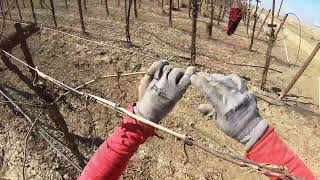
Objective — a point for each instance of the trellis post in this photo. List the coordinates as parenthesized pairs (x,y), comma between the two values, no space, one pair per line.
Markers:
(211,18)
(262,10)
(33,12)
(300,72)
(53,13)
(107,8)
(135,8)
(194,31)
(280,8)
(269,50)
(23,4)
(127,14)
(66,3)
(170,13)
(81,17)
(41,4)
(254,25)
(25,49)
(249,15)
(219,18)
(1,8)
(85,5)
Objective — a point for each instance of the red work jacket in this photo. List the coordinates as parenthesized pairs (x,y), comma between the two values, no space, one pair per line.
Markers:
(112,157)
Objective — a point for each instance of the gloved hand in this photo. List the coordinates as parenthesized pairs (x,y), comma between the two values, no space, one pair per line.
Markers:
(160,90)
(236,111)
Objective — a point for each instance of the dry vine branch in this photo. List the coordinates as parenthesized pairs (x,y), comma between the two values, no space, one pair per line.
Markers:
(267,170)
(28,104)
(53,110)
(42,132)
(26,144)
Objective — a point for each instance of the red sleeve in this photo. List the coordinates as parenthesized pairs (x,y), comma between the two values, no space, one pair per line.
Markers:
(112,157)
(271,149)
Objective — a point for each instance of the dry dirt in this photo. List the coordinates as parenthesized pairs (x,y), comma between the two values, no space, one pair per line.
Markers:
(75,61)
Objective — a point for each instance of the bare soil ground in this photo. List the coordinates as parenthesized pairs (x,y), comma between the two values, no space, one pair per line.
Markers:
(75,61)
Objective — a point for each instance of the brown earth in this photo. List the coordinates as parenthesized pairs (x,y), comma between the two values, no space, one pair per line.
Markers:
(75,61)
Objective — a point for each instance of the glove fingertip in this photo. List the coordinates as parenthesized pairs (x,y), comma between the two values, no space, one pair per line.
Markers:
(155,68)
(205,109)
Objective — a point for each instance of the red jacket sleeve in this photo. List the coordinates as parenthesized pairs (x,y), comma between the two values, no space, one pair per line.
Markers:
(271,149)
(110,160)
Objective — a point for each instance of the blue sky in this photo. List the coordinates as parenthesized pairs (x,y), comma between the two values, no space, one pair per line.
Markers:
(307,10)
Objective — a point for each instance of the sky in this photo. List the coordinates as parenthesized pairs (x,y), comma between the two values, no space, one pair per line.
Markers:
(307,10)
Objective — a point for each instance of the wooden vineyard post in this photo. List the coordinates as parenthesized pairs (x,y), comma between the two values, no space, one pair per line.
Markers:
(1,8)
(244,20)
(170,13)
(264,21)
(125,9)
(219,17)
(178,4)
(66,3)
(194,31)
(249,19)
(300,72)
(33,12)
(269,50)
(211,18)
(135,8)
(18,7)
(128,38)
(223,13)
(53,13)
(118,3)
(189,10)
(281,25)
(262,10)
(248,16)
(41,4)
(107,8)
(85,5)
(162,6)
(254,25)
(83,28)
(23,4)
(279,8)
(199,6)
(25,50)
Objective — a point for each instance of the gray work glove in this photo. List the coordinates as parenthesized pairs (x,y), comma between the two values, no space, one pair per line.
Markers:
(232,107)
(160,90)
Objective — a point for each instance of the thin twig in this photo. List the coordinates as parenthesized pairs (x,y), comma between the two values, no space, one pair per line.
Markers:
(94,80)
(26,144)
